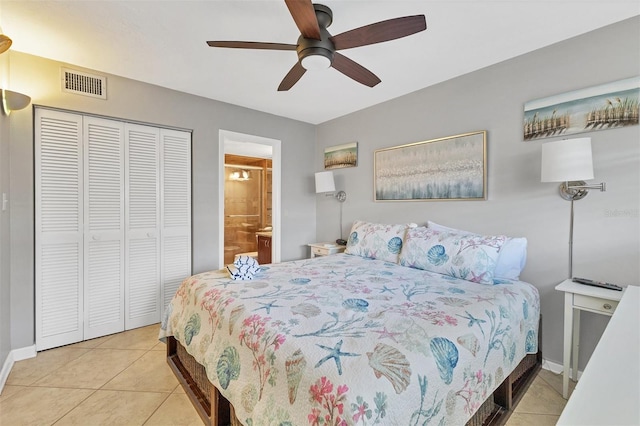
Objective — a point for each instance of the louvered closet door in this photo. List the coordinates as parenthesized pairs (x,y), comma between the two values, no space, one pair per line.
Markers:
(104,227)
(58,228)
(175,160)
(142,236)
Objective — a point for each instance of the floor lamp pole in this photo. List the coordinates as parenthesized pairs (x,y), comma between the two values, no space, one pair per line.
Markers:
(341,196)
(340,220)
(571,242)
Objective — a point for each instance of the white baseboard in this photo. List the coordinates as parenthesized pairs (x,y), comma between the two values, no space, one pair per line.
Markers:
(13,357)
(556,368)
(24,353)
(6,369)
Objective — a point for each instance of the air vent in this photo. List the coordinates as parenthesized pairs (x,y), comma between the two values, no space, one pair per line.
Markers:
(84,84)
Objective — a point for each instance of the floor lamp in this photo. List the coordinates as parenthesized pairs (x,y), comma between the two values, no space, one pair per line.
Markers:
(326,184)
(570,162)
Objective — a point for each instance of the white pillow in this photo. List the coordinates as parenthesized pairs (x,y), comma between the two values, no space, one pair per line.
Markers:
(511,259)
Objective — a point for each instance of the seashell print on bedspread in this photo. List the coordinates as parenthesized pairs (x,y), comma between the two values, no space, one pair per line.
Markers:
(346,340)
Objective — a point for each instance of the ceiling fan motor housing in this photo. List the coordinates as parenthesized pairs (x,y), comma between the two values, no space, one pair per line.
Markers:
(324,46)
(317,49)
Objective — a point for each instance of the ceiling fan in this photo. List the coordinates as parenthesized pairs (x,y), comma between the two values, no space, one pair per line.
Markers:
(317,48)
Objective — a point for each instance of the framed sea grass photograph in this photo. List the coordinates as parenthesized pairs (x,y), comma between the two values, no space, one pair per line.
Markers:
(340,156)
(450,168)
(607,106)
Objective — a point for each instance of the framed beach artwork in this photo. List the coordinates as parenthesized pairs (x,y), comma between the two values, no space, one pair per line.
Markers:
(603,107)
(450,168)
(339,156)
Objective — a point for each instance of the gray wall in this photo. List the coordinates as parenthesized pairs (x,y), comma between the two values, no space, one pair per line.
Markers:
(607,232)
(5,247)
(137,101)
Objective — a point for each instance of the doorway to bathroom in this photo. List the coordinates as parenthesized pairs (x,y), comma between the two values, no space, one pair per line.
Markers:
(248,212)
(249,198)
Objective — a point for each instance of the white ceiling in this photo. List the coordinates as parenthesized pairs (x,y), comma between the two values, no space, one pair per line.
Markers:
(163,43)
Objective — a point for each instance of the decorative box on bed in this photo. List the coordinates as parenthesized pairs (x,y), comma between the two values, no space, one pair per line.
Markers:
(347,339)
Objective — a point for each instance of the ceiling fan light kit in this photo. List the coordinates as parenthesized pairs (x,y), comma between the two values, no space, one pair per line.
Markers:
(315,61)
(317,49)
(5,42)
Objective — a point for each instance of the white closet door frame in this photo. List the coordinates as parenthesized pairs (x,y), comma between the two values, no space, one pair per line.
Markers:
(58,228)
(142,225)
(103,227)
(175,212)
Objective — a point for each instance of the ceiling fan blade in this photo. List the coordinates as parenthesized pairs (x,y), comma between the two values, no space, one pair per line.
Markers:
(354,70)
(380,31)
(304,16)
(252,45)
(292,77)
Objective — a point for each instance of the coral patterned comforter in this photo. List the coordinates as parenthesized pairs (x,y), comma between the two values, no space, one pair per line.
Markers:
(345,340)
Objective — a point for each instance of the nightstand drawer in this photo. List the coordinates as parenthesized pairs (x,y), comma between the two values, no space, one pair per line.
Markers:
(595,304)
(317,251)
(325,249)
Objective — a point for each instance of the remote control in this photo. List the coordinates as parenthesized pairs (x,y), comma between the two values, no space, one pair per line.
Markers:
(597,283)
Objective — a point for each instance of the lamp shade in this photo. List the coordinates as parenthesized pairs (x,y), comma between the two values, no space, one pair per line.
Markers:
(567,160)
(325,182)
(13,101)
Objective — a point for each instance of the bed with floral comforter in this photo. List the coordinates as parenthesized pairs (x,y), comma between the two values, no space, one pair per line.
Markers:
(348,340)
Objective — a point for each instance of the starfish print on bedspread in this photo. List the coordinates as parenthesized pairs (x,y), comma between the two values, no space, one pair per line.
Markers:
(474,321)
(484,299)
(385,333)
(509,293)
(386,289)
(334,353)
(268,306)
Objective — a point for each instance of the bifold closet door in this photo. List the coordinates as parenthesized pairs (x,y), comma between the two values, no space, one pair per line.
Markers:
(175,192)
(142,223)
(103,227)
(58,228)
(112,224)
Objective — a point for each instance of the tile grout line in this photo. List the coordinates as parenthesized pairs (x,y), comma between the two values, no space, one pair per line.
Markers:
(74,407)
(157,408)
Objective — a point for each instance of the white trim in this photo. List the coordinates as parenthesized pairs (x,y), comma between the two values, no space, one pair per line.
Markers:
(24,353)
(6,370)
(225,135)
(556,368)
(13,357)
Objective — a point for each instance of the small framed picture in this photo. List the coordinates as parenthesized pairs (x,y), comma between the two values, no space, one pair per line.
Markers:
(340,156)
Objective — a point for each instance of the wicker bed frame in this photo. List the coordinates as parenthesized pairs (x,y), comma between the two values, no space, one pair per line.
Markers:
(215,410)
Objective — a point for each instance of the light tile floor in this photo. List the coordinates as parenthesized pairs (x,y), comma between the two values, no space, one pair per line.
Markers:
(124,379)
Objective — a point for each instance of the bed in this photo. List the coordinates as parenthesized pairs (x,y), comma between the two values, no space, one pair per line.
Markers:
(348,339)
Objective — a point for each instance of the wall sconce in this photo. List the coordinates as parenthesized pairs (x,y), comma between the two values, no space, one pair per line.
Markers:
(569,161)
(326,184)
(13,101)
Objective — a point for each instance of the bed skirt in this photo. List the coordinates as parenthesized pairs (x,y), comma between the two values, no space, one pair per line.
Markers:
(215,410)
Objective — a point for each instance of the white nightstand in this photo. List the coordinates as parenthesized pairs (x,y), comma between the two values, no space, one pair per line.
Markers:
(580,297)
(325,249)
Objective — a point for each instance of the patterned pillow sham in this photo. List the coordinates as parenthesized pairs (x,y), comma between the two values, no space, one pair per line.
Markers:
(376,240)
(511,259)
(467,256)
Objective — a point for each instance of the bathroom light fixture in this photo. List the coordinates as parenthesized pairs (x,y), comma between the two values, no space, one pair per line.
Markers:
(13,101)
(569,161)
(240,175)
